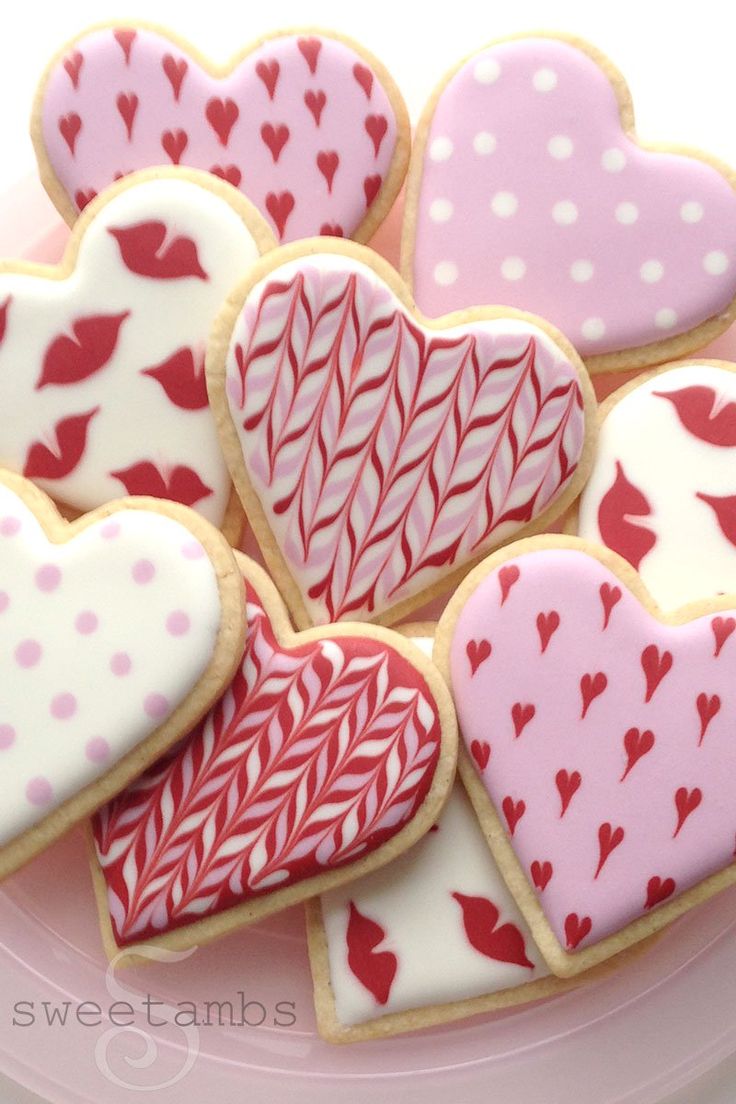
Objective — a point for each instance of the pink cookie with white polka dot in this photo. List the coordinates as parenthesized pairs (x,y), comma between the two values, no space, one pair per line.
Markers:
(528,188)
(117,632)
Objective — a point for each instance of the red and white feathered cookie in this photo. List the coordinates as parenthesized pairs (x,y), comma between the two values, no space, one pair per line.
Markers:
(330,753)
(307,124)
(102,384)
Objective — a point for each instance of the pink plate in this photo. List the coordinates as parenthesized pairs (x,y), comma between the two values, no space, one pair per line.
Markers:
(635,1037)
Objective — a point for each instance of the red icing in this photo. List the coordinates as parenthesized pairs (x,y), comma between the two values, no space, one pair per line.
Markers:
(73,359)
(621,502)
(70,435)
(702,413)
(374,969)
(504,943)
(151,249)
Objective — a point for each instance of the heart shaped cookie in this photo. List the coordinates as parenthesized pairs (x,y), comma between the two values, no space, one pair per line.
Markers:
(528,187)
(662,492)
(329,755)
(102,387)
(620,783)
(309,126)
(117,632)
(379,455)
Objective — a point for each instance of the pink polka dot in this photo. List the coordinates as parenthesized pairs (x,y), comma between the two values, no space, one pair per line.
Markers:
(4,601)
(193,550)
(39,791)
(110,530)
(28,653)
(143,571)
(178,623)
(48,578)
(97,749)
(63,706)
(7,736)
(120,664)
(86,622)
(9,526)
(156,706)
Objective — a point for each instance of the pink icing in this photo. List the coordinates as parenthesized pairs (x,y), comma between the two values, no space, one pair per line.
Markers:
(533,196)
(302,125)
(625,781)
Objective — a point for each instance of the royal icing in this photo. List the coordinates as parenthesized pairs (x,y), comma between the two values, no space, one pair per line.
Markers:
(603,737)
(662,492)
(102,385)
(101,638)
(385,454)
(304,125)
(317,754)
(531,193)
(437,925)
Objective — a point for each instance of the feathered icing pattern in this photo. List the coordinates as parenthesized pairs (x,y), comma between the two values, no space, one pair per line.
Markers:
(314,757)
(385,453)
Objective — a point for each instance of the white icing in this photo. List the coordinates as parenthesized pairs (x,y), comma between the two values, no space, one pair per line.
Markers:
(96,651)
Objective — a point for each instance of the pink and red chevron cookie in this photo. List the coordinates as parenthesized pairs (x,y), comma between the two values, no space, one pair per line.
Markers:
(379,455)
(307,124)
(598,735)
(528,186)
(331,753)
(102,385)
(117,632)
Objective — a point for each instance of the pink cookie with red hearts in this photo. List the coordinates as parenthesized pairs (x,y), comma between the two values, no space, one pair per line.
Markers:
(102,384)
(528,186)
(308,125)
(330,754)
(612,764)
(379,455)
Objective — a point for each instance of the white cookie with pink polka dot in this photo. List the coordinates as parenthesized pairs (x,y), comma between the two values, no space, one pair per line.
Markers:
(528,188)
(116,633)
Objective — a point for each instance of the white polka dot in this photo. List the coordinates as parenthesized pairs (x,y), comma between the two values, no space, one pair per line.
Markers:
(544,80)
(513,268)
(565,213)
(651,272)
(440,210)
(484,142)
(593,329)
(487,70)
(504,204)
(581,271)
(665,318)
(627,213)
(560,147)
(441,149)
(715,263)
(445,273)
(691,211)
(613,160)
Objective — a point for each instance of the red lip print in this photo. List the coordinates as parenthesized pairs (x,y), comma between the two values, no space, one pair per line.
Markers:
(146,252)
(268,72)
(686,802)
(275,137)
(182,378)
(521,715)
(507,576)
(72,359)
(708,708)
(703,414)
(541,874)
(513,811)
(576,930)
(481,752)
(127,105)
(610,597)
(182,484)
(621,502)
(375,970)
(502,944)
(173,143)
(477,652)
(376,127)
(4,317)
(310,48)
(547,626)
(327,163)
(591,687)
(655,666)
(722,627)
(69,127)
(568,785)
(175,70)
(725,511)
(315,102)
(222,115)
(658,891)
(70,435)
(636,745)
(279,207)
(609,838)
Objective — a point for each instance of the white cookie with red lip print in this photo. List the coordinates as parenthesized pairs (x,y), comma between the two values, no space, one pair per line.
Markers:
(102,386)
(307,124)
(379,455)
(662,492)
(117,631)
(528,186)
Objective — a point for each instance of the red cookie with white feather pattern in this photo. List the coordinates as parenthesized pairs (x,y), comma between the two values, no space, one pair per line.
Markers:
(102,388)
(330,754)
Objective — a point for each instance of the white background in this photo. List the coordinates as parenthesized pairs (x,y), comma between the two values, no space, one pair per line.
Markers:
(679,60)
